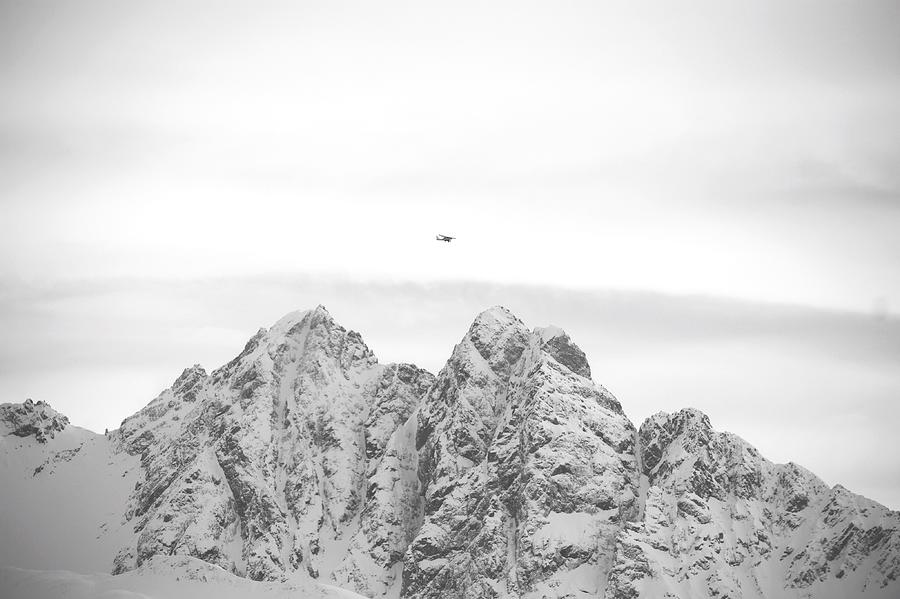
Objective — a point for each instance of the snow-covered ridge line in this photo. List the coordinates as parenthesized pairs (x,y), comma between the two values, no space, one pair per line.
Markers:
(509,474)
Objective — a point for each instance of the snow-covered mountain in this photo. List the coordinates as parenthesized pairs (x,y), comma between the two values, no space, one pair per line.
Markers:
(307,465)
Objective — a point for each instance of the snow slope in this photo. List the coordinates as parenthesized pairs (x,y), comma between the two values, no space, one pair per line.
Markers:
(62,498)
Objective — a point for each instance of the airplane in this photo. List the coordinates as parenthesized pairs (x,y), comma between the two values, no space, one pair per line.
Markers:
(446,238)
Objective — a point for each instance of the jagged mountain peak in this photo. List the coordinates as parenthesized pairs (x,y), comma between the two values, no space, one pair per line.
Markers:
(498,337)
(501,338)
(682,451)
(309,336)
(497,315)
(307,325)
(288,322)
(263,466)
(190,382)
(510,474)
(523,463)
(684,420)
(31,419)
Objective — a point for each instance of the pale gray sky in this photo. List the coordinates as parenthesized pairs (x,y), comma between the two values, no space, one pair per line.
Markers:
(661,180)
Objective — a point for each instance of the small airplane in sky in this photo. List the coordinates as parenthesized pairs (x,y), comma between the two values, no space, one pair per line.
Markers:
(446,238)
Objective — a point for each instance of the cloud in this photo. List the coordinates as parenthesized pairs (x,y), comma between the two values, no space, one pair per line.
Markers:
(721,149)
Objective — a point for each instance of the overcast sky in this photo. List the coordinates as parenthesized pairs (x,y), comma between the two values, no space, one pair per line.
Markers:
(707,197)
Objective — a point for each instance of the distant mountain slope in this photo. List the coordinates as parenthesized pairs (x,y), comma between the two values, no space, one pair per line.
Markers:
(509,474)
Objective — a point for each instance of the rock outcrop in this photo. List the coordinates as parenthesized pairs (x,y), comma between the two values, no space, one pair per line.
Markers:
(30,419)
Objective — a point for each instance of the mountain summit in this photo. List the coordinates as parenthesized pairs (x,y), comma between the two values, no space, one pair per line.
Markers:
(511,473)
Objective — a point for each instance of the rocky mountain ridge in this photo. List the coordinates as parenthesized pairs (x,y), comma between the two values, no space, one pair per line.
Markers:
(508,474)
(30,419)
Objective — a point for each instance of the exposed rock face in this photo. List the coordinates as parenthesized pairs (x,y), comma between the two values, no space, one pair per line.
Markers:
(510,474)
(263,466)
(722,521)
(30,419)
(527,469)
